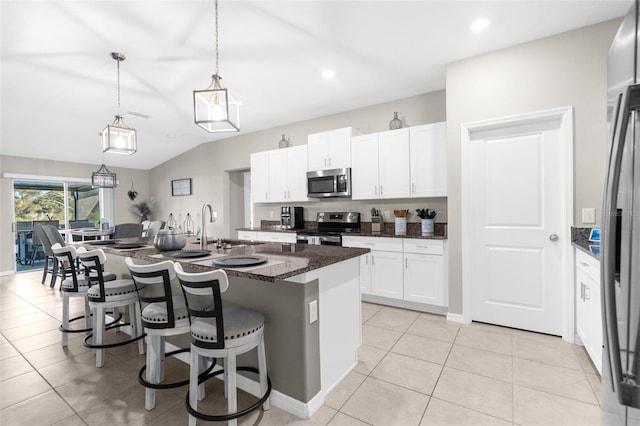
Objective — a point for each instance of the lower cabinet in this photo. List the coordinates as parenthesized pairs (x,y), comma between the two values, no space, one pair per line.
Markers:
(588,313)
(269,237)
(405,269)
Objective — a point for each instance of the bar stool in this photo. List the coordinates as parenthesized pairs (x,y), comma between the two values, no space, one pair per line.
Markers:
(221,332)
(162,315)
(103,295)
(73,286)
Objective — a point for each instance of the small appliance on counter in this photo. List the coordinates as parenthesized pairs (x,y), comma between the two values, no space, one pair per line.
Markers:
(291,218)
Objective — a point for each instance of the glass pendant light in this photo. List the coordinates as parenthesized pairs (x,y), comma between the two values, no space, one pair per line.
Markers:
(214,108)
(117,137)
(103,178)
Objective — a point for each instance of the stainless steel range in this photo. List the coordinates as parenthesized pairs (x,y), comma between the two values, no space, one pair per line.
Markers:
(330,227)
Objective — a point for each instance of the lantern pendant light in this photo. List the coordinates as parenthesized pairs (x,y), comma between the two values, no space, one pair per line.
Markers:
(103,178)
(117,137)
(214,108)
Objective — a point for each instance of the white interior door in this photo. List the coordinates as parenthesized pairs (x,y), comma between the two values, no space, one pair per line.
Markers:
(516,224)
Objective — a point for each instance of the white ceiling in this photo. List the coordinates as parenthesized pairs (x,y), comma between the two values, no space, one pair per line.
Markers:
(58,80)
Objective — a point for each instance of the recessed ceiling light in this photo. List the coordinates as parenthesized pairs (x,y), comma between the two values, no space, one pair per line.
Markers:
(480,24)
(328,74)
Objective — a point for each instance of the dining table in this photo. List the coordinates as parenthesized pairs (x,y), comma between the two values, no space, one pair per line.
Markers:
(85,233)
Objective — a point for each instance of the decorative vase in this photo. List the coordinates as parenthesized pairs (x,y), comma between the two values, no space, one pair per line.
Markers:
(401,225)
(426,227)
(284,142)
(396,123)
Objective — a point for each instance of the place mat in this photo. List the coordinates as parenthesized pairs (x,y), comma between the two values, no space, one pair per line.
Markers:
(240,261)
(128,246)
(100,242)
(188,254)
(269,263)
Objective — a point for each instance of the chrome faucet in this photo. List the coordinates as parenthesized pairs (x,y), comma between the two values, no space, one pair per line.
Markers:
(203,234)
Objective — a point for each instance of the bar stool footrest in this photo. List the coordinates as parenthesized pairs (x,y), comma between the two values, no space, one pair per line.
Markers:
(146,384)
(230,416)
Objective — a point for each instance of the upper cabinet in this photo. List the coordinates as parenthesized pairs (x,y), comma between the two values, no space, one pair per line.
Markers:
(404,163)
(331,149)
(428,147)
(279,175)
(380,165)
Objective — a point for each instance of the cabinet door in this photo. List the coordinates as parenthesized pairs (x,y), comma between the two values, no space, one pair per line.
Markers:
(317,145)
(297,173)
(339,148)
(424,278)
(582,307)
(246,235)
(393,163)
(595,317)
(364,167)
(386,274)
(428,148)
(278,175)
(260,177)
(365,273)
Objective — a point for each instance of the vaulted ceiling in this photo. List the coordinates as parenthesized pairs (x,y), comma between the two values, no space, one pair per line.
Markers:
(58,80)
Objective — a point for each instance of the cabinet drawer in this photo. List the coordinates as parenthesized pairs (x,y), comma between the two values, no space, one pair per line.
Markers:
(589,265)
(374,243)
(246,235)
(423,246)
(278,237)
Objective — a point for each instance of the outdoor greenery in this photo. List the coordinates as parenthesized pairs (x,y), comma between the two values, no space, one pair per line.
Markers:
(47,204)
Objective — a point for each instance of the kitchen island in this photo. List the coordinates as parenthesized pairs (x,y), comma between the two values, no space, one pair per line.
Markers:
(310,298)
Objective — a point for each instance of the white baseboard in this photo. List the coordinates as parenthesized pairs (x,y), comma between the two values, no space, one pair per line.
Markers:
(456,318)
(6,273)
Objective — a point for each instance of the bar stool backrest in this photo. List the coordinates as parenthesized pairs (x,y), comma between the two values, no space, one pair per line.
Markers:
(93,261)
(202,292)
(67,255)
(153,282)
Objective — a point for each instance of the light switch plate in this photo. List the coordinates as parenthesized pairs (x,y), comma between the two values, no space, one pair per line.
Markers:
(313,311)
(589,215)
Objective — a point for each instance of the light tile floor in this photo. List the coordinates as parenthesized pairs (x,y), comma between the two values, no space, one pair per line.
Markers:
(414,369)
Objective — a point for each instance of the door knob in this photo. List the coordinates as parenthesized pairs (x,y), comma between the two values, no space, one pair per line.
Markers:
(553,237)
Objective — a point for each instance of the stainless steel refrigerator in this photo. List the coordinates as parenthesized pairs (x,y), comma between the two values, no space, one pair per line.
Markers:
(620,238)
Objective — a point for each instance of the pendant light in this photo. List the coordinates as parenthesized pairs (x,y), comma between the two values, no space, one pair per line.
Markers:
(214,108)
(117,137)
(103,178)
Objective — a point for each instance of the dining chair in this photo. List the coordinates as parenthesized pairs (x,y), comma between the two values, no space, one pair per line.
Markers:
(127,230)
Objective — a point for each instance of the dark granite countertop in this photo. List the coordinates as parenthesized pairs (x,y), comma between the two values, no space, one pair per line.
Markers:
(580,240)
(413,230)
(284,260)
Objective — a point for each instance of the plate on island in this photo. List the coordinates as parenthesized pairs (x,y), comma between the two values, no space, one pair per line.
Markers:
(127,245)
(100,242)
(188,254)
(239,261)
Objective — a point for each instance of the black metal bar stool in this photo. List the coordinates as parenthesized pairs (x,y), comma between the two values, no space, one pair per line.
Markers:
(103,295)
(163,314)
(221,332)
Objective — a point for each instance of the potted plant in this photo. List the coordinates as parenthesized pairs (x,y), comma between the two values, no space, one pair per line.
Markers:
(426,221)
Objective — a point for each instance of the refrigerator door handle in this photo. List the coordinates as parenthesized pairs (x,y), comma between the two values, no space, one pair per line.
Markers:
(626,390)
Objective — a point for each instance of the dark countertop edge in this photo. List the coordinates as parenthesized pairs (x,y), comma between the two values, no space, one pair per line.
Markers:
(580,240)
(144,254)
(352,234)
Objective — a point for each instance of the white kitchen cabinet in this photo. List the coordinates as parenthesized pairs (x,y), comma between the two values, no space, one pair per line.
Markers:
(588,314)
(279,175)
(428,153)
(288,174)
(404,272)
(424,272)
(331,149)
(260,177)
(380,165)
(381,269)
(247,235)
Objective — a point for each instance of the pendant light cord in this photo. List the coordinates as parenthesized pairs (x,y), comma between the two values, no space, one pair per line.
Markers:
(118,61)
(217,54)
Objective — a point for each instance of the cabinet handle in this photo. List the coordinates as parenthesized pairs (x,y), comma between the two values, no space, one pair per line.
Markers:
(413,188)
(329,161)
(375,189)
(369,244)
(381,190)
(266,195)
(366,260)
(587,291)
(586,265)
(582,291)
(406,263)
(373,260)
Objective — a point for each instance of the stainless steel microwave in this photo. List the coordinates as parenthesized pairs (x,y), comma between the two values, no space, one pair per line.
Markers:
(329,183)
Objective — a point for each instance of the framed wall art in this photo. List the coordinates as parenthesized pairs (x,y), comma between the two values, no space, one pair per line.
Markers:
(181,187)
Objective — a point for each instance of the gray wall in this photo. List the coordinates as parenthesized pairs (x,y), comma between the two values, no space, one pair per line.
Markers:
(564,70)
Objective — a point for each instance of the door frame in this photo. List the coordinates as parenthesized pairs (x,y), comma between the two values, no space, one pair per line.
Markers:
(565,116)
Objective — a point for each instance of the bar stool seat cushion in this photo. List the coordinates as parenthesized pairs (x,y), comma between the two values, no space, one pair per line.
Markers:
(114,290)
(157,312)
(238,323)
(67,285)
